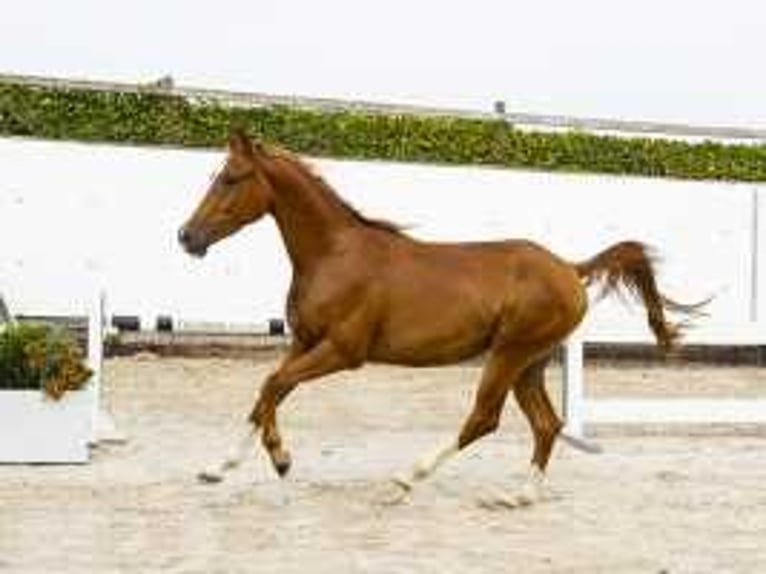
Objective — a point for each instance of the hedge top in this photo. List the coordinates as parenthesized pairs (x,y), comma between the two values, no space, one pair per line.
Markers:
(154,118)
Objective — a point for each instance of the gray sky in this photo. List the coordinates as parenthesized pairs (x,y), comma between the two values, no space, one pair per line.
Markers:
(670,60)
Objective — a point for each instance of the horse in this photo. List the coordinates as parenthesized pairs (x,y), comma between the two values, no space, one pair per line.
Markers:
(363,290)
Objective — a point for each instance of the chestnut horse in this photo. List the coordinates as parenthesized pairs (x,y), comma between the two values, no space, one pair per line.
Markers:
(364,291)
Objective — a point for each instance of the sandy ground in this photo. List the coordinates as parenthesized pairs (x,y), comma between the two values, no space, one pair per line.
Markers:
(678,500)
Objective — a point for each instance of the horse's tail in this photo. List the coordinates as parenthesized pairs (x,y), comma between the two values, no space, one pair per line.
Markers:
(630,266)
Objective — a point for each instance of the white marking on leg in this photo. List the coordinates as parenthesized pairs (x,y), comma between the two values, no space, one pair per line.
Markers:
(234,457)
(427,465)
(531,492)
(532,489)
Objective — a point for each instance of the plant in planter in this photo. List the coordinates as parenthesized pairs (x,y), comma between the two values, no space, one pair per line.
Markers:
(41,356)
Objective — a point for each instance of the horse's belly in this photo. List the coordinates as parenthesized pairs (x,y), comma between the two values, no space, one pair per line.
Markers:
(423,338)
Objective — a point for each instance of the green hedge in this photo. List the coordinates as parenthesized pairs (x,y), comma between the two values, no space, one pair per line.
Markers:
(158,119)
(40,356)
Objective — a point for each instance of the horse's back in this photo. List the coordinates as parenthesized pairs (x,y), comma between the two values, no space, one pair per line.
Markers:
(446,301)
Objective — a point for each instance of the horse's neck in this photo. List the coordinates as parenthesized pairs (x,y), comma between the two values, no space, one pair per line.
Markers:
(308,216)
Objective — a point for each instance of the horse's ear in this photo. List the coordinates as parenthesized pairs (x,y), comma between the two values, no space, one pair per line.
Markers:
(239,143)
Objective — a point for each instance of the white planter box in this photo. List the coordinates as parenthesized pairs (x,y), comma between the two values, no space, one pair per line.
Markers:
(37,429)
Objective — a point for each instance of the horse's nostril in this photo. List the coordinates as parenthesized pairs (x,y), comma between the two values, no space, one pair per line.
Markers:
(192,241)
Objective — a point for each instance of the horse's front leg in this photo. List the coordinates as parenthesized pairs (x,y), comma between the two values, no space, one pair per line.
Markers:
(264,417)
(299,365)
(244,443)
(345,347)
(323,359)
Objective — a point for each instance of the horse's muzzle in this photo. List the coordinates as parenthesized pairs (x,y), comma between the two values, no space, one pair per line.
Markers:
(193,243)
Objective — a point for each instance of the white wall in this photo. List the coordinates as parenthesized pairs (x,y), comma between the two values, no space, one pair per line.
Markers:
(76,215)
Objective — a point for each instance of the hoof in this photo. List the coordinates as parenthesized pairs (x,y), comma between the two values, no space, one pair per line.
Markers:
(210,477)
(404,484)
(522,499)
(282,468)
(397,492)
(508,502)
(282,463)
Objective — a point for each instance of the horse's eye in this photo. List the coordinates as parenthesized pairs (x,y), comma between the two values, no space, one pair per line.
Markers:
(229,180)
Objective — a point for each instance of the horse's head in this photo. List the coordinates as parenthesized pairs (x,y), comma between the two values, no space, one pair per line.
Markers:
(240,193)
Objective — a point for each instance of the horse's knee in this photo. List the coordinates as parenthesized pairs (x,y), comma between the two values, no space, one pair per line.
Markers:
(271,394)
(258,414)
(263,414)
(265,397)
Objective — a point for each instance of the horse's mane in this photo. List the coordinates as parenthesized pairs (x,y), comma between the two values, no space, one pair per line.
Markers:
(304,168)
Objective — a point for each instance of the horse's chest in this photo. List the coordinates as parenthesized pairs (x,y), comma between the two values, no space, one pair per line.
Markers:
(302,321)
(312,312)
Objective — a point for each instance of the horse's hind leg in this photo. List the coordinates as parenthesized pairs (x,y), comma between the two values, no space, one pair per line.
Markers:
(535,403)
(503,368)
(545,424)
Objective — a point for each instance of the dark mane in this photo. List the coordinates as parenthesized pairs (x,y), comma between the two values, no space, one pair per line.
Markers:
(306,170)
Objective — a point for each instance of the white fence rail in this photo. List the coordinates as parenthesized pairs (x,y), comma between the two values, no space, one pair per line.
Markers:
(580,411)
